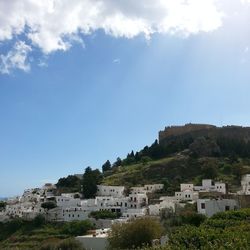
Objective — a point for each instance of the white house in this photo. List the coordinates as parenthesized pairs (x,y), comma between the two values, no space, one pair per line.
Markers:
(245,185)
(134,213)
(208,185)
(138,200)
(157,208)
(188,186)
(115,191)
(138,190)
(210,207)
(75,213)
(153,187)
(63,201)
(186,195)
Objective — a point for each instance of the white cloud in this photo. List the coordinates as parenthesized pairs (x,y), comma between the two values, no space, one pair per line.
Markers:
(15,58)
(49,24)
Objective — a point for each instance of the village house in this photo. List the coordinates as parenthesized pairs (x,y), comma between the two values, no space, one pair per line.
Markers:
(115,191)
(146,189)
(156,209)
(209,185)
(210,207)
(245,185)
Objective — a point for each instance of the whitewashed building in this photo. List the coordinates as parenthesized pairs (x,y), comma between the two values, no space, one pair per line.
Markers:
(245,185)
(210,207)
(115,191)
(134,213)
(209,185)
(157,208)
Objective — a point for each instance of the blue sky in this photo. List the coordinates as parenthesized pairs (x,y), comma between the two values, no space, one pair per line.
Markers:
(107,91)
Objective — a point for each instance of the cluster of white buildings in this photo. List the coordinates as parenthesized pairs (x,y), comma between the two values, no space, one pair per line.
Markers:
(70,206)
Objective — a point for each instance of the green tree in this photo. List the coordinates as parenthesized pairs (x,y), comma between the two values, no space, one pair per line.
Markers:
(117,163)
(134,234)
(75,228)
(91,179)
(48,205)
(2,205)
(106,166)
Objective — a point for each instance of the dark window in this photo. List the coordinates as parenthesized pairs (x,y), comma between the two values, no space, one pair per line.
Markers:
(227,208)
(203,206)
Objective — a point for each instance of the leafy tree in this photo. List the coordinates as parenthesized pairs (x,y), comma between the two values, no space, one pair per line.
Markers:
(75,228)
(117,163)
(39,220)
(105,214)
(70,183)
(48,205)
(145,159)
(106,166)
(91,179)
(134,234)
(2,205)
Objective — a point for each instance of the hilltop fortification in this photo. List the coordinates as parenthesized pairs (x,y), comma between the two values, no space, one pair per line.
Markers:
(180,130)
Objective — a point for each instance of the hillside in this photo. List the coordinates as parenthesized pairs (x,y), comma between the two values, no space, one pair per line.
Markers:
(186,153)
(180,169)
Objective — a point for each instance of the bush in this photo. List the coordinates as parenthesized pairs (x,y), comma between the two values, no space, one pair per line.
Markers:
(192,218)
(48,205)
(39,220)
(134,234)
(242,214)
(105,214)
(67,244)
(76,228)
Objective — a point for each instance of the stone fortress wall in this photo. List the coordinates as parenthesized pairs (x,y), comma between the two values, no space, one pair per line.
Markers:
(179,130)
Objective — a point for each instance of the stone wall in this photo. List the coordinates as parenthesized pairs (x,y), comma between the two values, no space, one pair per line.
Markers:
(179,130)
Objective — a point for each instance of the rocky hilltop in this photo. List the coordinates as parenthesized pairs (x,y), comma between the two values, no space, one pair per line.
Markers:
(196,130)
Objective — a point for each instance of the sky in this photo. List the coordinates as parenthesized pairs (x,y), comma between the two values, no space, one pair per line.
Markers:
(83,81)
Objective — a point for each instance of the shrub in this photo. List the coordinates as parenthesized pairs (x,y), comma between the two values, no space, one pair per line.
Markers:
(134,234)
(105,214)
(69,244)
(48,205)
(39,220)
(76,228)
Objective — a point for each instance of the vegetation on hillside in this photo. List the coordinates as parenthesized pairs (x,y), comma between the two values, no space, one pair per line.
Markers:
(134,234)
(24,235)
(225,230)
(221,154)
(104,214)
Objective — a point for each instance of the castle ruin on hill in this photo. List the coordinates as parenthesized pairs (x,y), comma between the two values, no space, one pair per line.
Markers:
(179,130)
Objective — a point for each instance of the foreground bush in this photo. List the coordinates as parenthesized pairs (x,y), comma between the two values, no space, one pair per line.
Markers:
(134,234)
(67,244)
(105,214)
(76,228)
(227,230)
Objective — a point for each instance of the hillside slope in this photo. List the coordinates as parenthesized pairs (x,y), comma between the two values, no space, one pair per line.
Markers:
(179,169)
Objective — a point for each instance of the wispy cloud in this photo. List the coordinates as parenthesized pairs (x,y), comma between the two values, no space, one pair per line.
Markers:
(117,61)
(17,58)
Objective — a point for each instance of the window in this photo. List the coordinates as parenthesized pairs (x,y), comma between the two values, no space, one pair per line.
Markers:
(227,208)
(203,206)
